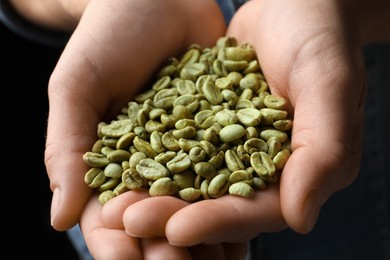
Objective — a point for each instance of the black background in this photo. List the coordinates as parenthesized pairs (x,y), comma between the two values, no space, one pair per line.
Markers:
(26,195)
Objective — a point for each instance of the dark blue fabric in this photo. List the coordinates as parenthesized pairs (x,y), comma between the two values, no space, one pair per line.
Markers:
(227,8)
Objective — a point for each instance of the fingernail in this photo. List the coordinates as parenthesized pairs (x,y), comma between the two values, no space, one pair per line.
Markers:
(313,204)
(55,201)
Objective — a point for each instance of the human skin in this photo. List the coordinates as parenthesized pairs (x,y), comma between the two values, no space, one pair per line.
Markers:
(310,53)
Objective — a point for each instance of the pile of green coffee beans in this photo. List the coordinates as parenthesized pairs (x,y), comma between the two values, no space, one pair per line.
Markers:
(206,127)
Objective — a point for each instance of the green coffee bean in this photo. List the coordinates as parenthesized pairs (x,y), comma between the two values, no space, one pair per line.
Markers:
(163,187)
(106,196)
(135,158)
(274,146)
(161,83)
(184,179)
(95,159)
(241,189)
(95,177)
(117,128)
(205,169)
(259,183)
(193,71)
(179,163)
(170,142)
(279,135)
(208,147)
(151,170)
(283,124)
(113,170)
(97,147)
(226,117)
(190,194)
(165,157)
(275,102)
(241,176)
(185,87)
(218,160)
(249,116)
(218,186)
(118,156)
(204,186)
(156,142)
(281,158)
(233,161)
(120,188)
(144,146)
(250,81)
(231,133)
(133,180)
(197,154)
(125,141)
(165,98)
(154,125)
(109,184)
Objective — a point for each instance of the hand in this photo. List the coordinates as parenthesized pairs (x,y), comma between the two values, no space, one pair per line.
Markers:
(309,58)
(311,55)
(106,238)
(114,50)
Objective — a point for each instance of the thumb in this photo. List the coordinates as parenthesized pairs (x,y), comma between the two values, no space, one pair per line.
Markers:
(327,134)
(71,131)
(69,135)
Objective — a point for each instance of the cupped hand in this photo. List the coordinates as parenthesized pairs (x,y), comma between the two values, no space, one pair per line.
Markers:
(310,54)
(115,49)
(104,232)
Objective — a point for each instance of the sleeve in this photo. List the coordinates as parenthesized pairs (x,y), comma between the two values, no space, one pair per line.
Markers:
(16,23)
(227,8)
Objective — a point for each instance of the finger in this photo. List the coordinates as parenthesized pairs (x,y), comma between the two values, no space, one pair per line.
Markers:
(148,217)
(327,144)
(103,242)
(226,219)
(113,210)
(65,145)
